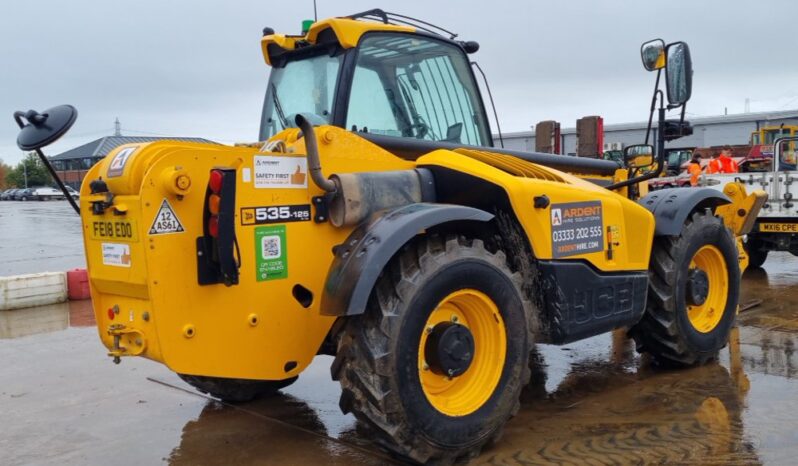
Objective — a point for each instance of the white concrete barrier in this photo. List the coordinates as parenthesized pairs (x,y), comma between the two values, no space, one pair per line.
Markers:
(36,289)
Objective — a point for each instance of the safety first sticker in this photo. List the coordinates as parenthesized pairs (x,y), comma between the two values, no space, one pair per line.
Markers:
(281,172)
(576,228)
(116,254)
(271,261)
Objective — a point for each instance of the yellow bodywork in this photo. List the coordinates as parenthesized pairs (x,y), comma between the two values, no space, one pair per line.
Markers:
(257,329)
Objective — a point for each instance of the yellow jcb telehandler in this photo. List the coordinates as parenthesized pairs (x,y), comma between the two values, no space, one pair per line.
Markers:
(378,223)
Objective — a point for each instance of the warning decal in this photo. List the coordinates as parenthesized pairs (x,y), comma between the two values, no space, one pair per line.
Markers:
(166,221)
(576,228)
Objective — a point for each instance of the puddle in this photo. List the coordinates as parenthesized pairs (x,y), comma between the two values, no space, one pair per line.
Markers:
(592,402)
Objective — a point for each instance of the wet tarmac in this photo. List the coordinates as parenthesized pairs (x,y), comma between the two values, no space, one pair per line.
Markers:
(39,237)
(594,402)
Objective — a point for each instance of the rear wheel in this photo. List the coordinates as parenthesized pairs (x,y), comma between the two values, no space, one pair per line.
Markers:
(235,390)
(436,365)
(693,293)
(756,255)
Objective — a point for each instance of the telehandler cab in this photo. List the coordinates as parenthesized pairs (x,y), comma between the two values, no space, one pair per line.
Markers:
(376,222)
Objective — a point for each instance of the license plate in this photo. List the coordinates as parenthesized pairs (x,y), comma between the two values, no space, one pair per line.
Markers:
(778,227)
(117,230)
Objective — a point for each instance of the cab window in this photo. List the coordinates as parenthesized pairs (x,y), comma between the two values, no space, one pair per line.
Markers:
(415,87)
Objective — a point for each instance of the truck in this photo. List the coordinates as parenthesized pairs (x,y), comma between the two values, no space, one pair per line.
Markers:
(776,227)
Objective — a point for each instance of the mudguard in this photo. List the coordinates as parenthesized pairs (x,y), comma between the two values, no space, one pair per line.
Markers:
(360,259)
(672,206)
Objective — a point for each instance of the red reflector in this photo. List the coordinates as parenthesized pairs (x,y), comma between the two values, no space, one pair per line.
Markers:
(111,313)
(213,226)
(215,183)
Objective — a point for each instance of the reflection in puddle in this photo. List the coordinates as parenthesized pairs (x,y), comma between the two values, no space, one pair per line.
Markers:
(609,411)
(45,319)
(277,430)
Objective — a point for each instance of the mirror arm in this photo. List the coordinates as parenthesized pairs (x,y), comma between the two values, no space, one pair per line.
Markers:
(653,105)
(660,150)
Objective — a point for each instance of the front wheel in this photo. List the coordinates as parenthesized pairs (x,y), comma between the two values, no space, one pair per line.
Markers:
(694,286)
(235,390)
(436,365)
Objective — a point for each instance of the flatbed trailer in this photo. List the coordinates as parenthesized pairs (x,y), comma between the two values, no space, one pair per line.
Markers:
(776,226)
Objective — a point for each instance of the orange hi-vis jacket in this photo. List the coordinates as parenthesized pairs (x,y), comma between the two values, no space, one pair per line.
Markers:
(723,164)
(695,171)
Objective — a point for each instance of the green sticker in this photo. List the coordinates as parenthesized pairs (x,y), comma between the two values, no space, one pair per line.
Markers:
(271,253)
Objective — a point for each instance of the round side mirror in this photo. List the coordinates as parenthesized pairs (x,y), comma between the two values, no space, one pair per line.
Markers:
(653,54)
(42,129)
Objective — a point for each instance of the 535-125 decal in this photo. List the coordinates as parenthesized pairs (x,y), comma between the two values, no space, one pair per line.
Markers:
(275,214)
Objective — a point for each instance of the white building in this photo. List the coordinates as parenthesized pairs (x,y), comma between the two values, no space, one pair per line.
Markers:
(707,131)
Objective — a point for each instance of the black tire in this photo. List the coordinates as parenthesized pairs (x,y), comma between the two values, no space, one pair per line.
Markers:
(235,390)
(377,358)
(24,198)
(756,255)
(665,331)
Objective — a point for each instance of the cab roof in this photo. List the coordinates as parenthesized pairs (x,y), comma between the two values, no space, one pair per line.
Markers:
(345,32)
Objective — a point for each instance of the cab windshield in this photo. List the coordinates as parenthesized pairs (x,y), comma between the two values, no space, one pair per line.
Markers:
(402,85)
(772,135)
(304,86)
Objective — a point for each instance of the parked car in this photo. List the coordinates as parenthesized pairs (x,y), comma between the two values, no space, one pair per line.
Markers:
(72,192)
(8,194)
(40,193)
(22,194)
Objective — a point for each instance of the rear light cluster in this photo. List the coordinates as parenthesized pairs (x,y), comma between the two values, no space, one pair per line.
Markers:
(215,184)
(217,248)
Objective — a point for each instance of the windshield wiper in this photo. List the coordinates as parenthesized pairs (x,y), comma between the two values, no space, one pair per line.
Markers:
(278,108)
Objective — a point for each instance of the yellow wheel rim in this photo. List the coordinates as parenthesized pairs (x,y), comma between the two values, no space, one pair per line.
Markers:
(706,317)
(466,393)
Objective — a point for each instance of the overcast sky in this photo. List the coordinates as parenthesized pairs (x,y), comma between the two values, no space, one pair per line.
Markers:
(194,68)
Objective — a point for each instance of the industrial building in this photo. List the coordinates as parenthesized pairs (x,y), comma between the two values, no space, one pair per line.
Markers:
(72,165)
(707,131)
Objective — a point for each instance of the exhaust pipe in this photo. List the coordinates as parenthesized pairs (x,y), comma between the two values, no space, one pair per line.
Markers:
(354,197)
(314,164)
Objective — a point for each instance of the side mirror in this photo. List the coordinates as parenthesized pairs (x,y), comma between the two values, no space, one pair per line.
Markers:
(678,73)
(638,155)
(42,129)
(653,54)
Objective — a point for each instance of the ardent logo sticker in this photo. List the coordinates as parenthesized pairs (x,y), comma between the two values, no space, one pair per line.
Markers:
(117,165)
(576,228)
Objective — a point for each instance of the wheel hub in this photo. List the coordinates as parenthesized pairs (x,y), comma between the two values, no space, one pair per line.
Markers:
(449,349)
(697,287)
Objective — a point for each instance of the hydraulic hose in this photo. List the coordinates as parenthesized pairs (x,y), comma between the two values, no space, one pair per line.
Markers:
(314,164)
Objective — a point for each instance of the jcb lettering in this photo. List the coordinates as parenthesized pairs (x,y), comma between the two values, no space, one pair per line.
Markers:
(601,302)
